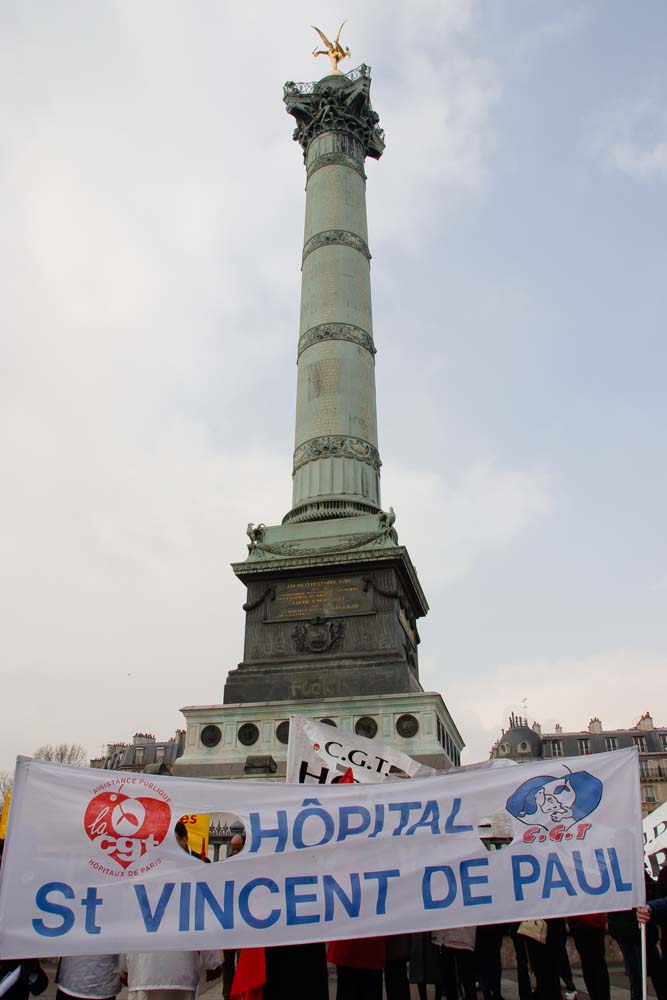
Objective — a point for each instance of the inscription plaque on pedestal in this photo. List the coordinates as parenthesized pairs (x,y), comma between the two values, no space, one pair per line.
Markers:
(328,597)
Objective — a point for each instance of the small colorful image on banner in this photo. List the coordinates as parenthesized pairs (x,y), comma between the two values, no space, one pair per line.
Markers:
(4,815)
(197,826)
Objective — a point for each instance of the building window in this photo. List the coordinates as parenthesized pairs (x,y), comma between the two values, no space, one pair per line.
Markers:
(138,756)
(503,748)
(647,770)
(556,748)
(159,755)
(610,743)
(648,793)
(640,743)
(584,745)
(664,741)
(523,746)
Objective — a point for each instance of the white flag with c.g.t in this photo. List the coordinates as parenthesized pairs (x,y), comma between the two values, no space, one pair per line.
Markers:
(321,753)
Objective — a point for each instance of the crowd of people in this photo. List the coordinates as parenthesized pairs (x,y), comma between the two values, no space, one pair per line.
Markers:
(456,963)
(452,963)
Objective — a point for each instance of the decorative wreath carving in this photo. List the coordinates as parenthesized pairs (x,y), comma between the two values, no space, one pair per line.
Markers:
(339,159)
(320,635)
(330,236)
(337,331)
(336,446)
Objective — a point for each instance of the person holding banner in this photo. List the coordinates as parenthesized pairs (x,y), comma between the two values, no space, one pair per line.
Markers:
(91,977)
(488,942)
(655,909)
(21,978)
(425,965)
(661,890)
(359,965)
(624,929)
(544,952)
(396,983)
(588,933)
(167,975)
(287,972)
(457,946)
(230,955)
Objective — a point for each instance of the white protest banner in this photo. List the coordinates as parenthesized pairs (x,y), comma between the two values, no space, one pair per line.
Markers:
(321,754)
(655,839)
(91,864)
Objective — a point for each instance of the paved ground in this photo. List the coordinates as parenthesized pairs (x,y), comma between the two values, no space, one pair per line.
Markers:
(619,987)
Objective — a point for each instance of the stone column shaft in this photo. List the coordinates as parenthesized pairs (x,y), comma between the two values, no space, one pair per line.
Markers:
(336,470)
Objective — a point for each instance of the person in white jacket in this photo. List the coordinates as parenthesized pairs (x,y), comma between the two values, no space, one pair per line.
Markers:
(91,977)
(167,975)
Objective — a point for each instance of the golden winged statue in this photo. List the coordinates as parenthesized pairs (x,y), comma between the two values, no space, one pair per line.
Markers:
(334,50)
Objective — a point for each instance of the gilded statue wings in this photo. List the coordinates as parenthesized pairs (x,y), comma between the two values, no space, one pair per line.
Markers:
(324,37)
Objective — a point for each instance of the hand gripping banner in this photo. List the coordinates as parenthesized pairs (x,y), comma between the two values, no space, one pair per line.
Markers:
(92,866)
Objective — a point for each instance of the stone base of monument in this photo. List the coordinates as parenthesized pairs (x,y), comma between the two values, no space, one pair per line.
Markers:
(233,740)
(331,610)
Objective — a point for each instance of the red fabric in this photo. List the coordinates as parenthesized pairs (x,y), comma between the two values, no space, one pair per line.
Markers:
(250,975)
(589,921)
(348,778)
(359,953)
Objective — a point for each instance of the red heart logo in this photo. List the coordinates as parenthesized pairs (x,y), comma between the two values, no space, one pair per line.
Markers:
(125,828)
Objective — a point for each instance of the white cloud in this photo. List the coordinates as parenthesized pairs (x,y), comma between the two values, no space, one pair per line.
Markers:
(631,137)
(569,691)
(553,27)
(636,162)
(437,109)
(118,591)
(482,509)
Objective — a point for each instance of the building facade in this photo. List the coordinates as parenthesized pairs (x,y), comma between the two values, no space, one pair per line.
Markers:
(523,743)
(143,754)
(253,736)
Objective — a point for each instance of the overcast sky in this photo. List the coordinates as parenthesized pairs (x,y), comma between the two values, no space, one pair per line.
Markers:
(151,226)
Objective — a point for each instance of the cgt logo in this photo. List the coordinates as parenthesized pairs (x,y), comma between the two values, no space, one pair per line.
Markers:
(553,806)
(124,828)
